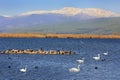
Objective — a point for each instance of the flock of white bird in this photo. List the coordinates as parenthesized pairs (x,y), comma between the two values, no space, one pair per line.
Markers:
(97,58)
(72,69)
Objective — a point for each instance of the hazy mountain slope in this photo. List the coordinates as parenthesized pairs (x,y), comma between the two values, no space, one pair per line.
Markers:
(94,26)
(40,19)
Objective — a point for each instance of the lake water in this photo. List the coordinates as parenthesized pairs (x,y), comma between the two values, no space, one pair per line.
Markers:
(55,67)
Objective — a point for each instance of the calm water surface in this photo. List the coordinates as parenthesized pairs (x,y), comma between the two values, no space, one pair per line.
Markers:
(55,67)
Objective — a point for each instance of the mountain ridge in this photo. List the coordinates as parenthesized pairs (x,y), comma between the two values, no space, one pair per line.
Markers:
(61,23)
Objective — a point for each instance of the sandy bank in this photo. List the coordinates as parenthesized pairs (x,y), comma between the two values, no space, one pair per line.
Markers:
(40,35)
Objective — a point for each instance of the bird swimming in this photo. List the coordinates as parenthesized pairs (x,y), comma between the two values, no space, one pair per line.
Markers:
(75,69)
(97,57)
(106,53)
(23,69)
(81,60)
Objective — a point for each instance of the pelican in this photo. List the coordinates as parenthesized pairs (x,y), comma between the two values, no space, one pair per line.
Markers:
(81,60)
(106,53)
(97,57)
(23,69)
(75,69)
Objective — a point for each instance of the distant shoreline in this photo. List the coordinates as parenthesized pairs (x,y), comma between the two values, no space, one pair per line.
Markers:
(50,35)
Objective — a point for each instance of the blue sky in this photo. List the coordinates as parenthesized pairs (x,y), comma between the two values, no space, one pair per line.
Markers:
(15,7)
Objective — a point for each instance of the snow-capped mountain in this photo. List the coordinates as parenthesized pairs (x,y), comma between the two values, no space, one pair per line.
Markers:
(70,11)
(67,19)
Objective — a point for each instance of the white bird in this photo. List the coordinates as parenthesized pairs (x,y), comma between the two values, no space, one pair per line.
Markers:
(75,69)
(81,60)
(97,57)
(106,53)
(23,69)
